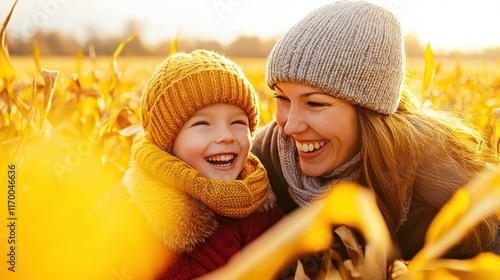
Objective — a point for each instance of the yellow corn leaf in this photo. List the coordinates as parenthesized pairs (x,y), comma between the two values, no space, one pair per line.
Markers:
(49,79)
(309,230)
(434,274)
(465,210)
(366,217)
(175,43)
(117,52)
(7,73)
(106,130)
(92,52)
(450,213)
(114,64)
(36,56)
(495,135)
(78,62)
(31,115)
(131,130)
(485,266)
(428,67)
(31,112)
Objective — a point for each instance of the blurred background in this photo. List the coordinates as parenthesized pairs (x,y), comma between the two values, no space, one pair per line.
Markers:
(237,27)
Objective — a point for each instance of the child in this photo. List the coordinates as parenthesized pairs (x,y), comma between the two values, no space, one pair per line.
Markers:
(200,191)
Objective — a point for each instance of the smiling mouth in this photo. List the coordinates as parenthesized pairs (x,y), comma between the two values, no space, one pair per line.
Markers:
(221,160)
(307,148)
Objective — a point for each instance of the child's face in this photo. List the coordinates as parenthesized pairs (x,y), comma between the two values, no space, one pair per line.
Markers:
(215,141)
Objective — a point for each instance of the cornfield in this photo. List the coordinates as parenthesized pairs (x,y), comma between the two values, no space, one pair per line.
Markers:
(65,141)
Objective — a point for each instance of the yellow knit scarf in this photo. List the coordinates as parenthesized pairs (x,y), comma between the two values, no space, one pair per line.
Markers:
(235,199)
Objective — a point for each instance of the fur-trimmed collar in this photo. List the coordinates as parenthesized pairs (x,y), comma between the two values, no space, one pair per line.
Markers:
(179,220)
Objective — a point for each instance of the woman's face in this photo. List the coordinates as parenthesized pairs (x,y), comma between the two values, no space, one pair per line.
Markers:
(324,128)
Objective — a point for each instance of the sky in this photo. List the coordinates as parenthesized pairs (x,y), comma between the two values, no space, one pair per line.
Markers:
(445,24)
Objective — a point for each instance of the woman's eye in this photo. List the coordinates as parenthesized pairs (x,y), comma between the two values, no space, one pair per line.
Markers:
(279,97)
(315,104)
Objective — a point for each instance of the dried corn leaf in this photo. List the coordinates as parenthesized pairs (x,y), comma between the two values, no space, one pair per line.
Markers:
(36,56)
(108,123)
(28,127)
(7,73)
(131,130)
(300,274)
(354,250)
(398,268)
(363,214)
(49,79)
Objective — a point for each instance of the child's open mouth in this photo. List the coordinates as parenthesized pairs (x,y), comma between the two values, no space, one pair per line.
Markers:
(221,160)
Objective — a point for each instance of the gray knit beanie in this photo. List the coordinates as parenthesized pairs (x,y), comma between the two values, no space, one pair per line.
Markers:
(352,50)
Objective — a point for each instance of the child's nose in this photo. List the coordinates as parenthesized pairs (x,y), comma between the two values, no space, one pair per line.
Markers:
(225,135)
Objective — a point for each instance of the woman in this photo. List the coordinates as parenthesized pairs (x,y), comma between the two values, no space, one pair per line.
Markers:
(342,114)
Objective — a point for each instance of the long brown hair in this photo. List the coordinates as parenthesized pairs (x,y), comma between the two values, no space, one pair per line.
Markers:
(399,152)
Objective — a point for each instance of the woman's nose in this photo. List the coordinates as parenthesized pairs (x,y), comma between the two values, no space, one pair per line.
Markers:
(294,123)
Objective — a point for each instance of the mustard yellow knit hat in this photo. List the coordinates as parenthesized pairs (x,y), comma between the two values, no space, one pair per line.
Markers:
(186,82)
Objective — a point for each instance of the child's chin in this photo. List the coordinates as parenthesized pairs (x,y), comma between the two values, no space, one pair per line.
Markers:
(222,175)
(225,177)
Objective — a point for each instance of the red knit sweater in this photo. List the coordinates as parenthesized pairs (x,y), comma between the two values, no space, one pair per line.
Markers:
(231,236)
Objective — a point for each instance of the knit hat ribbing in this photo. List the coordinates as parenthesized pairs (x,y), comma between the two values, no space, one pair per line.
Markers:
(186,82)
(352,50)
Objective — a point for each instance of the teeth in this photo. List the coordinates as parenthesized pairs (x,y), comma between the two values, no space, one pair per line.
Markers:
(221,158)
(309,147)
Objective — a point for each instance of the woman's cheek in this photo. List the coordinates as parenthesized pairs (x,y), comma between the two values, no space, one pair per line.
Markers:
(281,115)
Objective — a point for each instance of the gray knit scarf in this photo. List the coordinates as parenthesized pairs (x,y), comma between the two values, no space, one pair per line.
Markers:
(304,189)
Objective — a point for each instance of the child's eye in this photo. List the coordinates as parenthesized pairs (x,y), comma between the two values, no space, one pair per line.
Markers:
(200,123)
(243,122)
